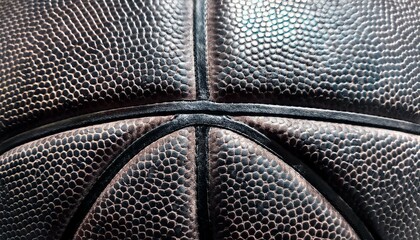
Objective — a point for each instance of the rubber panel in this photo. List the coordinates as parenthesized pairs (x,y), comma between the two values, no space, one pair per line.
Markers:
(43,182)
(255,195)
(360,56)
(62,58)
(376,171)
(152,197)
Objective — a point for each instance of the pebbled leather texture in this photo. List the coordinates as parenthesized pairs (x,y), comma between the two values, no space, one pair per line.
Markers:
(153,196)
(210,119)
(43,182)
(376,171)
(359,56)
(256,195)
(65,58)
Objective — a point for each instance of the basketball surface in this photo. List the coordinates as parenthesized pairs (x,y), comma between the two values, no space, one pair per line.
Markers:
(212,119)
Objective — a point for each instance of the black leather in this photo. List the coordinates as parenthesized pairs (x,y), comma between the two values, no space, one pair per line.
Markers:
(212,119)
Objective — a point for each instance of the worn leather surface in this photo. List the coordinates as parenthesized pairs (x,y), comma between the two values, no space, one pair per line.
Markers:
(43,182)
(90,146)
(374,170)
(254,194)
(359,56)
(153,196)
(64,58)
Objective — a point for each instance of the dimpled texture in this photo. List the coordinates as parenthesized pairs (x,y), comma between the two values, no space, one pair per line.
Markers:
(361,56)
(43,182)
(255,195)
(376,171)
(152,197)
(63,58)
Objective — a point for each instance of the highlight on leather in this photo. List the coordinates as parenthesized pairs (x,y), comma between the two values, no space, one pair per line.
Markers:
(210,119)
(360,56)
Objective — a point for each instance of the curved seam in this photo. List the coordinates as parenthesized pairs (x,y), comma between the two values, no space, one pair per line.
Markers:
(182,121)
(206,107)
(110,172)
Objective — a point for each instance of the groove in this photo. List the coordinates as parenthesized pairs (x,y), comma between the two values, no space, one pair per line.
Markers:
(206,107)
(200,50)
(114,167)
(204,225)
(363,229)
